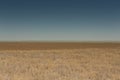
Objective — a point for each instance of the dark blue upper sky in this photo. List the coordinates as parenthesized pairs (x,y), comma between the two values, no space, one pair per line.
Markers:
(60,20)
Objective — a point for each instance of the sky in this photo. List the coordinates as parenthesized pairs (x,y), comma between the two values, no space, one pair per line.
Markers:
(59,20)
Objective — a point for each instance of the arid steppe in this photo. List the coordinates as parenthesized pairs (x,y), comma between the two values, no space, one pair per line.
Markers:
(59,61)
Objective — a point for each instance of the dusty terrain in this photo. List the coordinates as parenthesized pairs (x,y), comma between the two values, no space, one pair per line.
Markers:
(54,45)
(59,61)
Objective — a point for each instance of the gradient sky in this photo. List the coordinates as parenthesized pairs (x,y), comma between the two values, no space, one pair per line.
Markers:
(59,20)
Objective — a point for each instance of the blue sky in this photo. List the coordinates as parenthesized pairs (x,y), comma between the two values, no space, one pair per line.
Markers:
(59,20)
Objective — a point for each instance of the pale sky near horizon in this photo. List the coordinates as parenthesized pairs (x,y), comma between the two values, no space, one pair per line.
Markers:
(60,20)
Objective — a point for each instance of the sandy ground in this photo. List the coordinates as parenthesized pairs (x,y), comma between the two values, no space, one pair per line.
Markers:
(61,64)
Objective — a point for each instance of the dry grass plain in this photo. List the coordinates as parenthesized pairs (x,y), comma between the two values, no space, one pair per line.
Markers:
(59,61)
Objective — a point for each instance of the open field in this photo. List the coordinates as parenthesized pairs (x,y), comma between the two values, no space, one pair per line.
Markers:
(59,61)
(54,45)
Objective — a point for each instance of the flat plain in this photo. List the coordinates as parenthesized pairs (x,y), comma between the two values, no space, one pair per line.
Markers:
(59,61)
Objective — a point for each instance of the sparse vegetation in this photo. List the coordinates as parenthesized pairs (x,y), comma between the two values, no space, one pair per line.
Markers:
(61,64)
(59,61)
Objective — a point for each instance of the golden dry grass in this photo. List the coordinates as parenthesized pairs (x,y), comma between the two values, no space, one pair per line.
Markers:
(59,61)
(60,64)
